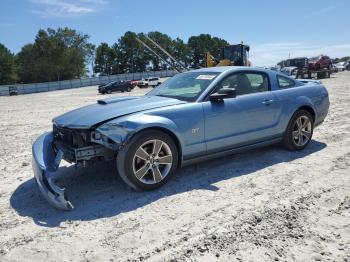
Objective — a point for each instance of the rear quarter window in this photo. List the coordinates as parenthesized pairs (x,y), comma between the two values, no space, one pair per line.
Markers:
(285,82)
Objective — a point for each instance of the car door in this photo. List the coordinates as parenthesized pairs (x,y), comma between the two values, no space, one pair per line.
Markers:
(119,86)
(250,117)
(113,86)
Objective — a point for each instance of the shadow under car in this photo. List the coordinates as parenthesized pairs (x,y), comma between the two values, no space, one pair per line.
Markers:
(98,192)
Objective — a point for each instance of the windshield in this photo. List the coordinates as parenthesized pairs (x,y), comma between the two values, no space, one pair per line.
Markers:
(110,84)
(298,62)
(186,86)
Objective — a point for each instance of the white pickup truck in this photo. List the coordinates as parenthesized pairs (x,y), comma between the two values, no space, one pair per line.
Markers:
(152,81)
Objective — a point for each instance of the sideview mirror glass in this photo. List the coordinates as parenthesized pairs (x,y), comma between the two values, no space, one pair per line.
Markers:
(223,94)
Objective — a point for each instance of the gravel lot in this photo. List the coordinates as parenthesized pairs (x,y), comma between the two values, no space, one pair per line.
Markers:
(262,205)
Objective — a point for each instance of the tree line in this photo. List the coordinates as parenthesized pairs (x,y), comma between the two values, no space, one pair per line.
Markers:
(55,55)
(64,53)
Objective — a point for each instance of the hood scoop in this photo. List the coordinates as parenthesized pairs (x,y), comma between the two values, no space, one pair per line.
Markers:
(112,100)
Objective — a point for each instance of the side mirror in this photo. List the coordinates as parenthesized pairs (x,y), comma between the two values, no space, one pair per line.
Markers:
(223,94)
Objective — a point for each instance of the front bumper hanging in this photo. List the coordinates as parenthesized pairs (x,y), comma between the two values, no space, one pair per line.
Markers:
(45,162)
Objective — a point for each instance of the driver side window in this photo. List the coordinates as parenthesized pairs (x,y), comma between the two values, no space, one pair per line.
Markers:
(246,83)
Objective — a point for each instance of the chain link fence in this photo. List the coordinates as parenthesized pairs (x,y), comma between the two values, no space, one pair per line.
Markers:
(6,90)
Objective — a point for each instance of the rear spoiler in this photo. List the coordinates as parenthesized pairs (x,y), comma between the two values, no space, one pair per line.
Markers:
(310,81)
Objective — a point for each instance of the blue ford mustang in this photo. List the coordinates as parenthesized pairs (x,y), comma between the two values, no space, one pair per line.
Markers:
(191,117)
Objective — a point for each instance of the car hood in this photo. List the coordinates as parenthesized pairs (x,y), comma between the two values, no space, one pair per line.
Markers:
(107,109)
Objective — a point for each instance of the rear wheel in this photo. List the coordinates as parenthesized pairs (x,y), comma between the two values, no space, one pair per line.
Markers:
(148,160)
(299,131)
(128,89)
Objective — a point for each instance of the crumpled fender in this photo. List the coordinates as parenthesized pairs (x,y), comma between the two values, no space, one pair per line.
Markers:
(120,130)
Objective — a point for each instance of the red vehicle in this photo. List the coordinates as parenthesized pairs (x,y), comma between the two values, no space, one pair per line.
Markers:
(320,62)
(135,83)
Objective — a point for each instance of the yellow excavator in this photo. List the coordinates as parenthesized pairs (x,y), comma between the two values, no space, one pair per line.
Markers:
(231,55)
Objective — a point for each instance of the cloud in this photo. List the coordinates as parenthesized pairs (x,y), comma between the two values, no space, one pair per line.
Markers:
(271,53)
(63,8)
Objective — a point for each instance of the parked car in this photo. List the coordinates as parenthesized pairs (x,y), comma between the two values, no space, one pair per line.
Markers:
(334,69)
(347,65)
(341,66)
(291,66)
(115,86)
(320,62)
(152,82)
(194,116)
(13,91)
(299,62)
(135,83)
(289,70)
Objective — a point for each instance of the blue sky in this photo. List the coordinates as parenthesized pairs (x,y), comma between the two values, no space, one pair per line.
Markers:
(274,29)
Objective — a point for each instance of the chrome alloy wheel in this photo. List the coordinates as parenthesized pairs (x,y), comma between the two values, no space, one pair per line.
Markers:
(152,161)
(302,131)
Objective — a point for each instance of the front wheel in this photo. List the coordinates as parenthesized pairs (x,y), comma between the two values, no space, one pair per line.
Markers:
(128,89)
(299,131)
(148,160)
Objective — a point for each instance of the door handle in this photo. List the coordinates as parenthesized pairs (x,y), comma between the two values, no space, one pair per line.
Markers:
(267,102)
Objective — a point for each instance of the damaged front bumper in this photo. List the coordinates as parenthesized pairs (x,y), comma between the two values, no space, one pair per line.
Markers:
(45,162)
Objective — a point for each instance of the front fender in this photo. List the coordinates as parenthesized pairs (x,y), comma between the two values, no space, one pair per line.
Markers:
(122,129)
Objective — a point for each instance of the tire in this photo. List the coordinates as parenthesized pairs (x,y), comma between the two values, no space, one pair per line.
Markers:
(151,174)
(296,138)
(128,89)
(109,91)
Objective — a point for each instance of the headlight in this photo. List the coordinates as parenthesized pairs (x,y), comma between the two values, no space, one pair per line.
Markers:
(96,135)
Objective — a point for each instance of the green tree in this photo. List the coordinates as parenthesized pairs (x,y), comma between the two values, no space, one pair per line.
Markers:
(55,55)
(105,59)
(204,43)
(131,56)
(28,67)
(166,43)
(181,51)
(8,72)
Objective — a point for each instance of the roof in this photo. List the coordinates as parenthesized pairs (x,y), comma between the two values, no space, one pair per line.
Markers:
(221,69)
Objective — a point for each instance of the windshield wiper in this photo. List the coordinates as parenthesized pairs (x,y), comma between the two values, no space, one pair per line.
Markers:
(185,99)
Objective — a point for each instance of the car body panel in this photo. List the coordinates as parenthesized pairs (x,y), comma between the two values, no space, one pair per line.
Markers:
(202,129)
(108,109)
(184,121)
(245,118)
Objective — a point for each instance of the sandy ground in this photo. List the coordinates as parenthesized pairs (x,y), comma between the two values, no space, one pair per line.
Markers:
(263,205)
